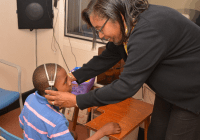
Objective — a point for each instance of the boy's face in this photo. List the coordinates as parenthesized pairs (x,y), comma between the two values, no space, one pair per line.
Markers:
(63,83)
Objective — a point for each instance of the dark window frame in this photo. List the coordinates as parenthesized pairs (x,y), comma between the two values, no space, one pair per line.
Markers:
(75,22)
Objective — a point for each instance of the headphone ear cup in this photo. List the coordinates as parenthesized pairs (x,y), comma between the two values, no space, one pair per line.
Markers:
(53,88)
(49,88)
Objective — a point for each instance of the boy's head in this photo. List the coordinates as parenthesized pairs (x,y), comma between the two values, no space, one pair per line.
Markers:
(40,82)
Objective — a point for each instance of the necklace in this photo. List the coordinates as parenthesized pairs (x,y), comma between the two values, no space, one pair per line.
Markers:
(125,43)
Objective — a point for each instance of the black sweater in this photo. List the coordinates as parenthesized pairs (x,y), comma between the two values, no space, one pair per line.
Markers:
(163,51)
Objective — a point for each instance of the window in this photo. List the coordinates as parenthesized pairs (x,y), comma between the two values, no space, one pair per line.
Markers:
(74,25)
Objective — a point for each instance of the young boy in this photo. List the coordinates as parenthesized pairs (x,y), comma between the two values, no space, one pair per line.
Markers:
(40,120)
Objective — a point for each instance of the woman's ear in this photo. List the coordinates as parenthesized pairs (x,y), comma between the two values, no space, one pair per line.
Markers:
(123,19)
(122,16)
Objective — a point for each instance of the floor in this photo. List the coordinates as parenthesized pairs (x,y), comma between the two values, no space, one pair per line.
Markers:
(10,123)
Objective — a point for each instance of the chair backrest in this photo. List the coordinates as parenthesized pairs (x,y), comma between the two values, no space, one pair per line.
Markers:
(19,79)
(7,135)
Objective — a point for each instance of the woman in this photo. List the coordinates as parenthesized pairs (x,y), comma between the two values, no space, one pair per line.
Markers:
(161,48)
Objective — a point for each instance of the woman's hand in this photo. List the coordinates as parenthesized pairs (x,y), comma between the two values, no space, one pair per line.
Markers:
(61,99)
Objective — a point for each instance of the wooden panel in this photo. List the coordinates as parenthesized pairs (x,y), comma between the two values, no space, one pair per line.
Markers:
(111,74)
(129,113)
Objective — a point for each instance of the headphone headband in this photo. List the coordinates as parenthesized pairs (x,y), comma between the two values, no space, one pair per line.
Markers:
(51,83)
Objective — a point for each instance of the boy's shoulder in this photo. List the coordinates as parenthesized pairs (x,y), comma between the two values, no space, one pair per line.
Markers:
(30,97)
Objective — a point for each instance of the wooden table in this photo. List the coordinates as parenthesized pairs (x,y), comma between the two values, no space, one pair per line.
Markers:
(129,113)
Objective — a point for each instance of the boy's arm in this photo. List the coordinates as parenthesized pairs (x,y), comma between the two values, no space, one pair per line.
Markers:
(98,135)
(107,129)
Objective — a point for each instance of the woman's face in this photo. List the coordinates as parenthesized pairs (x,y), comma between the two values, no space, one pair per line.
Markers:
(111,31)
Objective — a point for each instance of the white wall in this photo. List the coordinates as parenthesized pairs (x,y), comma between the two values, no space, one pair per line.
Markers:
(190,7)
(178,4)
(18,46)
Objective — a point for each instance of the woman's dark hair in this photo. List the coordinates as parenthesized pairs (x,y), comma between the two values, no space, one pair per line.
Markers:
(39,78)
(114,9)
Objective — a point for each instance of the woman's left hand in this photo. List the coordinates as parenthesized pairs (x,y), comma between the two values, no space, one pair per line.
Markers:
(61,99)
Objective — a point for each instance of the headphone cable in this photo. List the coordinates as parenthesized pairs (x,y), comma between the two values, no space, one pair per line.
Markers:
(58,43)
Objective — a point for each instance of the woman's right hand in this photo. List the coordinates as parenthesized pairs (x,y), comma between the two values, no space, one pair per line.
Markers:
(61,99)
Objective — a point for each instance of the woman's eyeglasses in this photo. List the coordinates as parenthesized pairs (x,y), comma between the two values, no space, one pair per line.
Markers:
(101,29)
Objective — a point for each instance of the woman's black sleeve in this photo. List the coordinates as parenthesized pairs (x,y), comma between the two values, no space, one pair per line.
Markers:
(98,64)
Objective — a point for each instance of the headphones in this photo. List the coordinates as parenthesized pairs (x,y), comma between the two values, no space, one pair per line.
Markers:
(51,82)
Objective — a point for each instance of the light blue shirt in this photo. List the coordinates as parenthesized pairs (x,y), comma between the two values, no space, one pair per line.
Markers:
(42,121)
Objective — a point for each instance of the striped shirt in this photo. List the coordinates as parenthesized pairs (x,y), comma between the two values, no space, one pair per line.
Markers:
(41,121)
